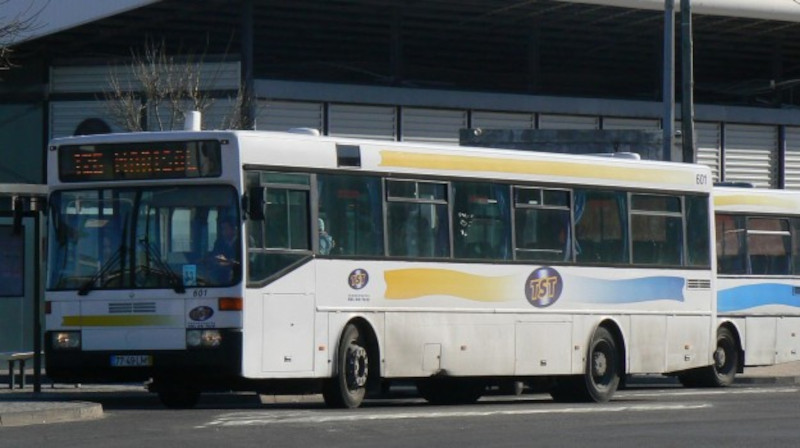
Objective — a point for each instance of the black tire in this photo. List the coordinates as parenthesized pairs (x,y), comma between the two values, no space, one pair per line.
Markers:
(348,387)
(601,376)
(443,391)
(726,362)
(603,367)
(178,397)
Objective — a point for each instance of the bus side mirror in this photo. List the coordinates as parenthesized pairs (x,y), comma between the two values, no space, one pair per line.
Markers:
(254,203)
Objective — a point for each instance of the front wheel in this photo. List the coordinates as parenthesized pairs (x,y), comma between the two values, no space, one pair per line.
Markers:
(349,386)
(726,359)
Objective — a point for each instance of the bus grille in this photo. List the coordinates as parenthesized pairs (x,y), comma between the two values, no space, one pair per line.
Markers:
(131,307)
(694,283)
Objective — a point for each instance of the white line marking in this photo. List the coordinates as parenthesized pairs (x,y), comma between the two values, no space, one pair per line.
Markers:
(707,392)
(236,419)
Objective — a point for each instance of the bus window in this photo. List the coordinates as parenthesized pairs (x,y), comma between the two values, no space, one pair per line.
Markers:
(482,225)
(795,256)
(600,226)
(417,218)
(180,226)
(283,236)
(768,246)
(542,224)
(730,244)
(287,219)
(351,210)
(698,236)
(656,229)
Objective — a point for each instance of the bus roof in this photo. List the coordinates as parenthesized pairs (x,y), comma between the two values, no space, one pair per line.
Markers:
(404,159)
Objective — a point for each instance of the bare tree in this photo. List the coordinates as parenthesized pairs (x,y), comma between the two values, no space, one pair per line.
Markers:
(11,27)
(155,90)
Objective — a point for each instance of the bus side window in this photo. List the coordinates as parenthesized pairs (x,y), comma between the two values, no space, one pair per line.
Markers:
(698,236)
(768,243)
(656,229)
(730,244)
(542,224)
(417,215)
(481,221)
(283,237)
(351,210)
(600,226)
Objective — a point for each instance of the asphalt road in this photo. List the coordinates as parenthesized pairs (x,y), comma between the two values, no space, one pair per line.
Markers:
(742,415)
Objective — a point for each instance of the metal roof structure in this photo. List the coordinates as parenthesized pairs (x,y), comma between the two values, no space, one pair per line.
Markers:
(542,47)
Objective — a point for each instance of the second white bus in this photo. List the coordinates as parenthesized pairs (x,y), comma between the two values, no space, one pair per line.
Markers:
(758,282)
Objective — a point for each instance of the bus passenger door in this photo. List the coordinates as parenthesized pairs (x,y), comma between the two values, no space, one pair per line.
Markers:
(278,246)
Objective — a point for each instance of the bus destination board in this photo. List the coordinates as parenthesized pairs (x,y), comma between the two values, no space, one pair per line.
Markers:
(139,161)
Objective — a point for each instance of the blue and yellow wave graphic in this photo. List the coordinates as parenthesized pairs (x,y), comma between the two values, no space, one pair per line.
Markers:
(416,283)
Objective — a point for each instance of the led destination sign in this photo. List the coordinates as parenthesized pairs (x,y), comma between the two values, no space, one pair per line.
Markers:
(138,161)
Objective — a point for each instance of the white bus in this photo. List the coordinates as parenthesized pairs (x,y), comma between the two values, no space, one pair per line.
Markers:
(356,263)
(758,281)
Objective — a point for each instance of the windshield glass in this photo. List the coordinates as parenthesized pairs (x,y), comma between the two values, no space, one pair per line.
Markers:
(153,237)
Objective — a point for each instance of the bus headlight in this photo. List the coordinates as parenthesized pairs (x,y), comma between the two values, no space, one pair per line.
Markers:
(203,338)
(66,340)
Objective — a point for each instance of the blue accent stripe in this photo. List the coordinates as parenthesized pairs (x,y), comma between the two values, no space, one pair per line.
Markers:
(751,296)
(645,289)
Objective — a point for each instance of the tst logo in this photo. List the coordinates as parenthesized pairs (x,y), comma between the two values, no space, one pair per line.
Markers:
(543,287)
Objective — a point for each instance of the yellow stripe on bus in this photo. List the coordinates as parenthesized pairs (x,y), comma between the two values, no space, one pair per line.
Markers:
(416,283)
(550,168)
(747,199)
(132,320)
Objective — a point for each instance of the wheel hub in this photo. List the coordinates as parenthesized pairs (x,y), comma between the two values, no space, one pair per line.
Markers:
(599,364)
(357,367)
(720,357)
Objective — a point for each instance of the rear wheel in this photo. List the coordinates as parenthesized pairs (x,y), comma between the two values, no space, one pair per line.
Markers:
(601,376)
(723,371)
(348,388)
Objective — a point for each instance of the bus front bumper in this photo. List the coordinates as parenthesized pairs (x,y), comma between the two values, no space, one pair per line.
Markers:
(203,364)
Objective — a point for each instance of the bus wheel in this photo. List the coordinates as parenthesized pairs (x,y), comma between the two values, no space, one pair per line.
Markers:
(348,388)
(602,374)
(178,397)
(726,360)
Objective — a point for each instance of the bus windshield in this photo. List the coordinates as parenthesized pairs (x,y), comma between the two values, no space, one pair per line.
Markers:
(142,238)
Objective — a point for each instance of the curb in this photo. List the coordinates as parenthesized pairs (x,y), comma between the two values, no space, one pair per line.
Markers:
(283,399)
(24,413)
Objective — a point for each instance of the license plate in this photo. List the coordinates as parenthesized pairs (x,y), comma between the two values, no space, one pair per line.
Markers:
(131,361)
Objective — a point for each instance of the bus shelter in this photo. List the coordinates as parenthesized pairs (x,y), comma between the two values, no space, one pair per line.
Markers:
(21,266)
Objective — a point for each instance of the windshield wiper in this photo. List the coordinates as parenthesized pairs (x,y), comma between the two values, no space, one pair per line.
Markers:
(114,259)
(163,267)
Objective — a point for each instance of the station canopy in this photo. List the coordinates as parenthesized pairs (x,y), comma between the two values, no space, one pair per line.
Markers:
(592,48)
